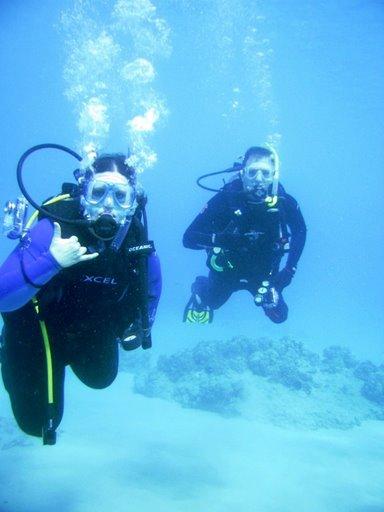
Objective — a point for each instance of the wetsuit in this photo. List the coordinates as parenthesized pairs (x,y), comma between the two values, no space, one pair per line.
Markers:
(246,262)
(85,307)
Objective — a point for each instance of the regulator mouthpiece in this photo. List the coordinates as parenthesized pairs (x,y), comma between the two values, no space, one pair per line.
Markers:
(105,227)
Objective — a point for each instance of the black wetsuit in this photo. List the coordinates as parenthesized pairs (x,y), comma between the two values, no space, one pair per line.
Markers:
(85,307)
(246,266)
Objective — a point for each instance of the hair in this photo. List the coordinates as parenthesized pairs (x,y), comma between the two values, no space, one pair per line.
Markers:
(107,161)
(259,152)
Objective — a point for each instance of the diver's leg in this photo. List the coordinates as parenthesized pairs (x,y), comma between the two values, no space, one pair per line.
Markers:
(272,302)
(278,313)
(25,376)
(199,290)
(215,289)
(95,358)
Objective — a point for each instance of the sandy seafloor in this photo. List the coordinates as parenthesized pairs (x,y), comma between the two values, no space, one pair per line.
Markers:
(268,428)
(124,451)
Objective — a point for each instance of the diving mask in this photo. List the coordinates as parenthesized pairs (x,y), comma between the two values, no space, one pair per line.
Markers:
(109,198)
(98,192)
(258,176)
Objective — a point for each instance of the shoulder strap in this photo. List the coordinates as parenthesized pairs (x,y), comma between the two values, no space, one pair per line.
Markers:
(283,217)
(140,253)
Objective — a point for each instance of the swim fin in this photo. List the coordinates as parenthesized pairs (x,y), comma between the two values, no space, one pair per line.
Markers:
(195,313)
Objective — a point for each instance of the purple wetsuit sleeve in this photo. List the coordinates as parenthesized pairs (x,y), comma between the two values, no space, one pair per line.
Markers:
(154,286)
(39,266)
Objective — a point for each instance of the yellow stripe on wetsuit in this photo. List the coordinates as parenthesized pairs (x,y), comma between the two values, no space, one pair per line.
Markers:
(48,354)
(43,327)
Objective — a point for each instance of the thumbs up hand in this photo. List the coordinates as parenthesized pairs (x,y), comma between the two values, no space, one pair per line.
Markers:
(68,251)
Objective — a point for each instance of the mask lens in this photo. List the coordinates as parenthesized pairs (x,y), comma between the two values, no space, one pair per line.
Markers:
(253,172)
(123,195)
(97,191)
(267,174)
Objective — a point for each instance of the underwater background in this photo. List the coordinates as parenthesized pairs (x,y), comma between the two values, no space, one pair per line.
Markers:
(240,414)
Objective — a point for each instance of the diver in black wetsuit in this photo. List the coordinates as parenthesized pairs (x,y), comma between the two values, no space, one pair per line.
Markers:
(246,229)
(70,293)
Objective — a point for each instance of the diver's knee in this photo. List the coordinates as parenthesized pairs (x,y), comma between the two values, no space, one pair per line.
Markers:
(32,423)
(199,285)
(35,430)
(278,314)
(99,384)
(276,318)
(96,380)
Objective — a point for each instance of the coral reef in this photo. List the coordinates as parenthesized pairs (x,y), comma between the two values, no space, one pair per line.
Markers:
(277,381)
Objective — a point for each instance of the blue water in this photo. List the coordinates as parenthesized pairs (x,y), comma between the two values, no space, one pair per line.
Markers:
(305,74)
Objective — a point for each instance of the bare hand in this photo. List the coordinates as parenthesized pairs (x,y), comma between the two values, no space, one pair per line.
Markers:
(68,251)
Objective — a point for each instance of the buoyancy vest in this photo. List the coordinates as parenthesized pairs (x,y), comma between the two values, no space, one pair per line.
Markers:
(266,221)
(103,291)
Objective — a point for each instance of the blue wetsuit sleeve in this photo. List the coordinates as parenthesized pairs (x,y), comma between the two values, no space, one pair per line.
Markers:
(211,220)
(298,230)
(29,264)
(154,285)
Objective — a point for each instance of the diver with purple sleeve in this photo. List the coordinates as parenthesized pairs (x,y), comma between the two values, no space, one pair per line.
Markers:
(81,281)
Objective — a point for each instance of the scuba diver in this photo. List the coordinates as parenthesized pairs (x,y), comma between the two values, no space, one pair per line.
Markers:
(81,281)
(246,229)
